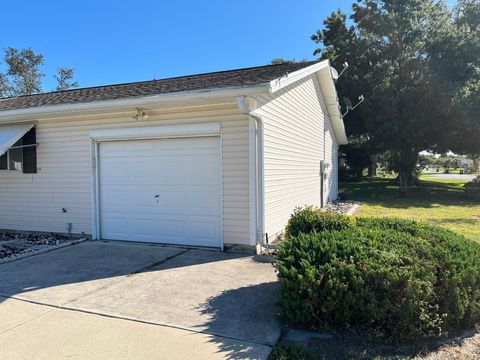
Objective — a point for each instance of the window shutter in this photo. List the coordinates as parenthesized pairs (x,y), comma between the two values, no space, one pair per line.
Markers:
(30,152)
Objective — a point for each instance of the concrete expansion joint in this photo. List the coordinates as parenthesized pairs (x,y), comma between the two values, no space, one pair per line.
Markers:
(158,263)
(185,328)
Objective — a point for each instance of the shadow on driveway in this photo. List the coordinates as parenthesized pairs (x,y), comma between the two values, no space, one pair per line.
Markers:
(227,295)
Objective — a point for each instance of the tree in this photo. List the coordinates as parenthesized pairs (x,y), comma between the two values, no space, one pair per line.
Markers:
(341,44)
(64,79)
(455,57)
(389,47)
(4,86)
(281,60)
(357,156)
(23,74)
(426,160)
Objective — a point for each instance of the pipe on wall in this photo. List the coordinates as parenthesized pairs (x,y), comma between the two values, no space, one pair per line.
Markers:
(261,238)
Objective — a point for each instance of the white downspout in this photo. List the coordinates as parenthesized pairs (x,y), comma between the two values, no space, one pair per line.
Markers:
(261,240)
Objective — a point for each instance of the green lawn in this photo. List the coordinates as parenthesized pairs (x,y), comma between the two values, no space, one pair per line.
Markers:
(440,202)
(442,170)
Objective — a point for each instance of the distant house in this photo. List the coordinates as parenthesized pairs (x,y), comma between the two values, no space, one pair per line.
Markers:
(206,160)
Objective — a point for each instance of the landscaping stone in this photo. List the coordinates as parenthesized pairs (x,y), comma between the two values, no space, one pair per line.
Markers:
(346,207)
(14,246)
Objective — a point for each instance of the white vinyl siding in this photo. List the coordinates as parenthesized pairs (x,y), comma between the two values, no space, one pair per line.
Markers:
(34,201)
(298,135)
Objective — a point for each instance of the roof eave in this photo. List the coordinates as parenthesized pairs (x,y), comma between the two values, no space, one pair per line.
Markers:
(290,78)
(128,104)
(324,74)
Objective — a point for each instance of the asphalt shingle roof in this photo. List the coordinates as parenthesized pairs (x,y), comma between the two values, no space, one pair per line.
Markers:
(222,79)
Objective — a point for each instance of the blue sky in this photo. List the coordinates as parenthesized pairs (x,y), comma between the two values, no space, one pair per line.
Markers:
(120,41)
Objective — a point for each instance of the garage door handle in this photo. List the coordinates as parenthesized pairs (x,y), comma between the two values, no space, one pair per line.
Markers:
(157,196)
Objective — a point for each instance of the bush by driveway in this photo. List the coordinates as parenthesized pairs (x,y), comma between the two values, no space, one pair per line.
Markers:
(391,278)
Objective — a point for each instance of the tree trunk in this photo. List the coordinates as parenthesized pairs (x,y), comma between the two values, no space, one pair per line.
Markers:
(407,163)
(476,163)
(372,168)
(402,181)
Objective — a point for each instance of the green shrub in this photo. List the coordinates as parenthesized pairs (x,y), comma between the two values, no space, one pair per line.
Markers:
(393,278)
(308,219)
(472,189)
(290,352)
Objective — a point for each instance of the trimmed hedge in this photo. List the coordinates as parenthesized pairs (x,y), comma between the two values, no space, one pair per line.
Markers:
(308,219)
(393,278)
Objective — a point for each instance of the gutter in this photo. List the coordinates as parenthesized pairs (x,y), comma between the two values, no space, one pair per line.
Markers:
(243,105)
(127,104)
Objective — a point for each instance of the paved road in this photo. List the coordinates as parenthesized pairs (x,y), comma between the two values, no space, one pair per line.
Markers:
(450,176)
(107,300)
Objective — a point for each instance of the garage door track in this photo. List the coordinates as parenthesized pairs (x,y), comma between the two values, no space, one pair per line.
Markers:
(137,297)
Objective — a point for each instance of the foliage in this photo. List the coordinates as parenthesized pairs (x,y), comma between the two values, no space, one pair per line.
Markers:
(64,79)
(309,218)
(393,278)
(472,189)
(23,71)
(23,75)
(400,55)
(440,202)
(455,57)
(357,156)
(290,352)
(283,61)
(426,161)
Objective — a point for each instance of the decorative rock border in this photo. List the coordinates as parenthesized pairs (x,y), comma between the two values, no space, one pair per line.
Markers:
(346,207)
(33,252)
(353,209)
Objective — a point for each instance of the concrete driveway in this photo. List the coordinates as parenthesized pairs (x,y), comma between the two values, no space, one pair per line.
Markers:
(109,300)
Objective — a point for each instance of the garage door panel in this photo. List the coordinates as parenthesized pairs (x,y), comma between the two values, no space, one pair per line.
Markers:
(190,203)
(172,171)
(118,171)
(204,171)
(165,191)
(117,199)
(142,170)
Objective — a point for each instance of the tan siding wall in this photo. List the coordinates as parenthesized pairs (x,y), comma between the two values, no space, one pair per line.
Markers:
(35,201)
(294,120)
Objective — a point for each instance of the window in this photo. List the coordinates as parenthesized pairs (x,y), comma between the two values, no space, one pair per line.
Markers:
(4,162)
(22,156)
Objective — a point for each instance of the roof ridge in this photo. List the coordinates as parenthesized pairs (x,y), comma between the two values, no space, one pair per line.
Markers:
(306,63)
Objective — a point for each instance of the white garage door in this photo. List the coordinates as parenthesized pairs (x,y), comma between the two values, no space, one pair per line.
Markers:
(164,191)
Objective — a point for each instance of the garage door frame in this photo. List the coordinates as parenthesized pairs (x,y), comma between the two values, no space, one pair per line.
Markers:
(212,129)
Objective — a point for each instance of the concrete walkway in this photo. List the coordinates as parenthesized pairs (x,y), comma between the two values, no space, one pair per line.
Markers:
(101,300)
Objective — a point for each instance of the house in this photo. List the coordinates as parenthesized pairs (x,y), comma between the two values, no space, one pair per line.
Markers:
(214,159)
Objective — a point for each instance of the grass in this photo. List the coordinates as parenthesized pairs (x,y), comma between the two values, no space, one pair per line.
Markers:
(442,170)
(440,202)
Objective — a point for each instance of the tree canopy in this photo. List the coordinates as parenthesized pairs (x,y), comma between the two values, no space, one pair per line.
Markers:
(24,75)
(418,64)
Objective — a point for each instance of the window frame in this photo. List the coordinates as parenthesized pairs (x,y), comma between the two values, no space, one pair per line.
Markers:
(7,153)
(26,148)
